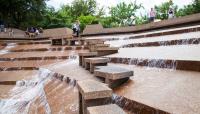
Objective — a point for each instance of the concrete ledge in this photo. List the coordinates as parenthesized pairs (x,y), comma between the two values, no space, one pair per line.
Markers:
(136,107)
(50,49)
(169,64)
(91,89)
(107,51)
(35,58)
(18,68)
(165,43)
(105,109)
(28,43)
(97,60)
(102,45)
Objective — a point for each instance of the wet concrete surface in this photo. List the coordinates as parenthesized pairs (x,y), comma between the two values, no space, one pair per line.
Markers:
(38,54)
(74,71)
(4,91)
(184,36)
(16,75)
(179,52)
(61,98)
(172,91)
(30,63)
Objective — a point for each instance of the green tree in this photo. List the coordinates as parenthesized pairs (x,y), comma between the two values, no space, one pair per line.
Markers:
(141,20)
(190,9)
(83,7)
(22,13)
(122,13)
(86,20)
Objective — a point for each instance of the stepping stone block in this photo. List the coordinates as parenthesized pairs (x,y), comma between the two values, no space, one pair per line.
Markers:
(105,109)
(92,93)
(102,51)
(71,42)
(82,56)
(114,76)
(90,63)
(57,41)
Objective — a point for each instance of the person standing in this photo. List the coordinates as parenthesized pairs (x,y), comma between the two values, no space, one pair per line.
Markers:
(74,28)
(170,13)
(152,15)
(11,32)
(77,28)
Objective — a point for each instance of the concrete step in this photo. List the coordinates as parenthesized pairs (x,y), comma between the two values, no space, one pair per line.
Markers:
(183,57)
(177,39)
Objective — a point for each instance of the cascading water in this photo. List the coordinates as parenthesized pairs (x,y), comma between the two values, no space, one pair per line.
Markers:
(30,95)
(25,93)
(73,55)
(5,50)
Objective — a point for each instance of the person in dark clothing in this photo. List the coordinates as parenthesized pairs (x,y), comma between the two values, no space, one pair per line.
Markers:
(76,28)
(170,13)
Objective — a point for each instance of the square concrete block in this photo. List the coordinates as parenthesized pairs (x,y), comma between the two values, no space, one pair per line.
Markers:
(114,76)
(105,109)
(85,55)
(102,51)
(57,41)
(93,93)
(91,63)
(91,89)
(97,60)
(112,72)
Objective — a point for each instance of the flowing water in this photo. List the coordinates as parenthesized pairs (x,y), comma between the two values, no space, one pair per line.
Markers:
(29,96)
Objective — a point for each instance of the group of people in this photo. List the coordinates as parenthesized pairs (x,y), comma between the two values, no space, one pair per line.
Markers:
(152,14)
(32,31)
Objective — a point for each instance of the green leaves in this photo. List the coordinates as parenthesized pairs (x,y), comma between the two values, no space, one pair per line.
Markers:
(86,20)
(22,13)
(122,13)
(190,9)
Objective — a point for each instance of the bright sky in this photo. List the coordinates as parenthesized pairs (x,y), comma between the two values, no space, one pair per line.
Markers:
(107,3)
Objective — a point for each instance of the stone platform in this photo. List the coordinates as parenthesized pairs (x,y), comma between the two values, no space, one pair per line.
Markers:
(92,93)
(84,55)
(106,109)
(91,63)
(114,76)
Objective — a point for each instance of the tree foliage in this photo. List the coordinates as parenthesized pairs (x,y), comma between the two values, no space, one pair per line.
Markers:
(86,20)
(122,13)
(21,13)
(83,7)
(190,9)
